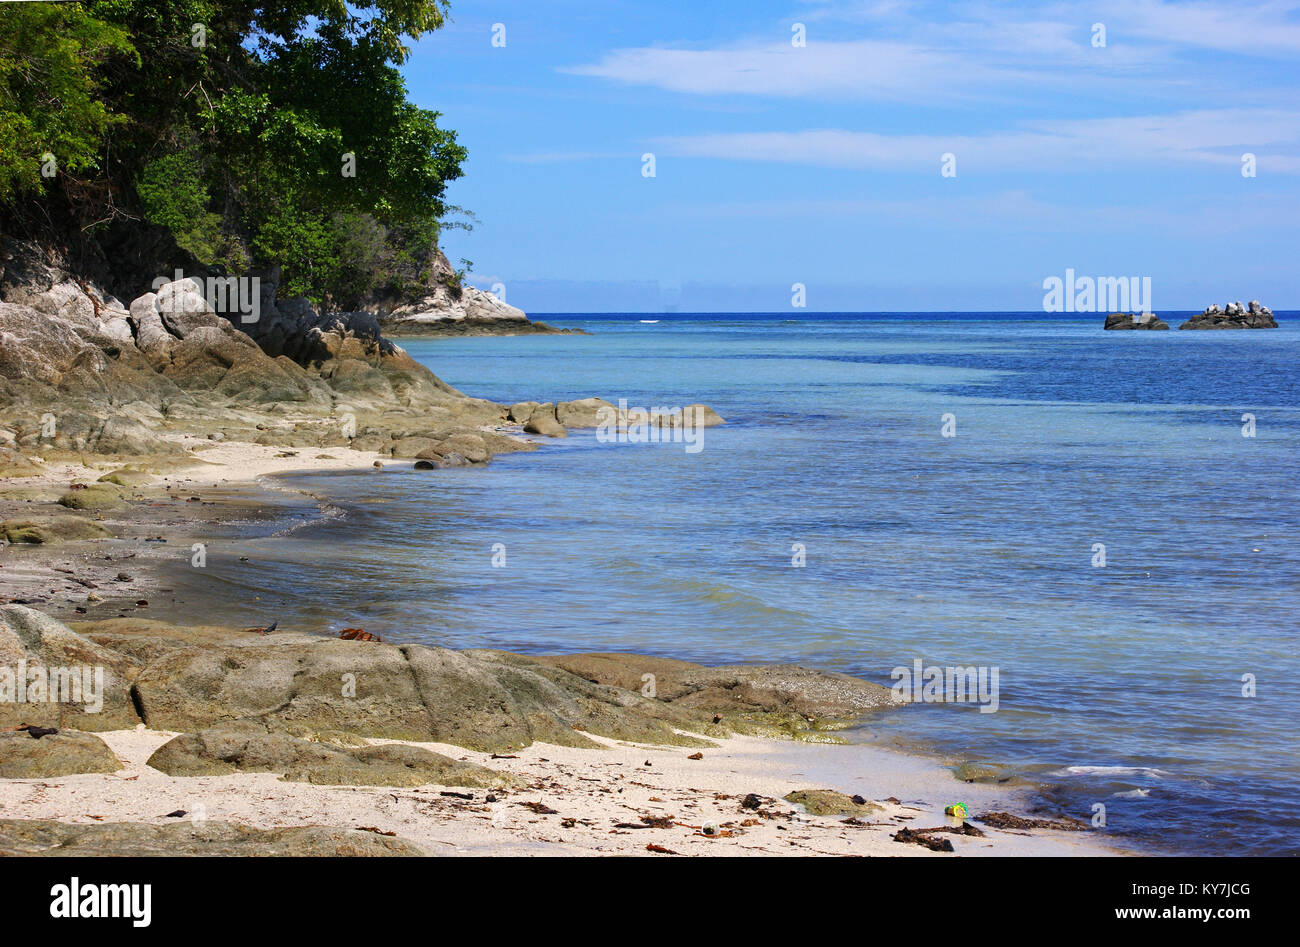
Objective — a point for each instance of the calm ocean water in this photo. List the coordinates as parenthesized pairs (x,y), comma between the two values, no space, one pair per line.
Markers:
(971,550)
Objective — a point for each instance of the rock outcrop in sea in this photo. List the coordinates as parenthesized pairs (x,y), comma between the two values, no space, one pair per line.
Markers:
(1233,316)
(1125,320)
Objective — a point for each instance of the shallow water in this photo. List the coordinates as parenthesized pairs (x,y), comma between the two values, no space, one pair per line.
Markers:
(973,550)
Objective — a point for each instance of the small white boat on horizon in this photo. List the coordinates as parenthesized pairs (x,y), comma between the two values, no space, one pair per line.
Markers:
(649,321)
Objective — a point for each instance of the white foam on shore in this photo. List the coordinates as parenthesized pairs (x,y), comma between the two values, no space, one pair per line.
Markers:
(1147,771)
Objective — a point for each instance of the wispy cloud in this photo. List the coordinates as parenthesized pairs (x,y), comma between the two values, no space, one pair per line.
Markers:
(1195,137)
(924,53)
(1269,28)
(569,157)
(1009,209)
(859,69)
(1254,27)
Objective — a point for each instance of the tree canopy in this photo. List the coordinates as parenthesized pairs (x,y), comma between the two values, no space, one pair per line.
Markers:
(252,133)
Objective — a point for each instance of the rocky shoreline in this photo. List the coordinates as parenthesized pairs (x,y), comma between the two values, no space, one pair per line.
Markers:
(261,746)
(213,740)
(128,433)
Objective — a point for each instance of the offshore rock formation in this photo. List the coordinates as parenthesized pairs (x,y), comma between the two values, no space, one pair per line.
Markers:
(1124,320)
(1233,316)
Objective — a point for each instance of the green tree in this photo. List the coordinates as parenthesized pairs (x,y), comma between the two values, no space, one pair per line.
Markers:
(49,56)
(231,132)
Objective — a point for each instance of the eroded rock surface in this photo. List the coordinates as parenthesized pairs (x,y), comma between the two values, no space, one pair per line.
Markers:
(117,839)
(252,747)
(34,644)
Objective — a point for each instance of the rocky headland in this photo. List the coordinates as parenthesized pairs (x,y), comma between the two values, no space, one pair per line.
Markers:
(447,306)
(84,373)
(128,429)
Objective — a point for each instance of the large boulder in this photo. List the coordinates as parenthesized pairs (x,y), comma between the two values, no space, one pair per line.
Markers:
(543,421)
(182,308)
(585,412)
(51,530)
(449,306)
(39,347)
(45,650)
(65,753)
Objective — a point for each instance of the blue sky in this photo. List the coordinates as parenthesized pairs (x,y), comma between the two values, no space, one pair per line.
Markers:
(778,164)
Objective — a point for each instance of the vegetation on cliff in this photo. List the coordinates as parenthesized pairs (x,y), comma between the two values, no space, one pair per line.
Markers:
(226,135)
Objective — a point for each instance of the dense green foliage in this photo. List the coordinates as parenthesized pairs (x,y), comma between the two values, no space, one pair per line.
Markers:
(49,54)
(255,134)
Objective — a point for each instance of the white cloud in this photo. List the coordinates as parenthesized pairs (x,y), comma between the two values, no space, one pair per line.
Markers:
(1013,209)
(1196,137)
(860,69)
(1261,29)
(960,51)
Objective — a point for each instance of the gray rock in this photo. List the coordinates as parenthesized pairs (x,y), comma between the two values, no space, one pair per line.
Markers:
(585,412)
(65,753)
(543,421)
(250,747)
(39,642)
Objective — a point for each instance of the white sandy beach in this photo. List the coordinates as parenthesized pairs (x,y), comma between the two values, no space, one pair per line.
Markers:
(591,791)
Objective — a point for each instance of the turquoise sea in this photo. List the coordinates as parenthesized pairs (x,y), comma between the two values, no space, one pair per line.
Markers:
(973,550)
